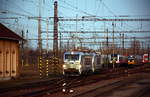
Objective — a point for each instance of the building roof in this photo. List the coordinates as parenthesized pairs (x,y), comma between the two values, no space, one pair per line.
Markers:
(6,33)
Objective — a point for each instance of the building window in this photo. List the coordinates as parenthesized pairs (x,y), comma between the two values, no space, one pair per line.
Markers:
(7,52)
(13,52)
(1,72)
(13,71)
(7,72)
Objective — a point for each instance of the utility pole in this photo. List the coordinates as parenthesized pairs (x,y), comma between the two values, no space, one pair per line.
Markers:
(55,41)
(107,48)
(39,30)
(120,46)
(60,46)
(123,43)
(27,50)
(55,34)
(47,59)
(47,34)
(113,45)
(142,48)
(22,49)
(134,47)
(68,47)
(40,59)
(74,40)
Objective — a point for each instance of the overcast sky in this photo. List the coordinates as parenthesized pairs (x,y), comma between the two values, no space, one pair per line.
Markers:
(22,9)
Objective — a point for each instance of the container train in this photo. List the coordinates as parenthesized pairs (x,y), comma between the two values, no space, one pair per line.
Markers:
(78,62)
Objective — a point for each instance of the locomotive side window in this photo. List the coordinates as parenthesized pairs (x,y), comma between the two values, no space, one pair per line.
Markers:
(131,59)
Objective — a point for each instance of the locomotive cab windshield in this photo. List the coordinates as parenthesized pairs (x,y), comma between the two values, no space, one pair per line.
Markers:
(131,58)
(73,57)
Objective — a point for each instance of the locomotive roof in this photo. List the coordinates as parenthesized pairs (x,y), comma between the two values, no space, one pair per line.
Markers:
(81,53)
(73,52)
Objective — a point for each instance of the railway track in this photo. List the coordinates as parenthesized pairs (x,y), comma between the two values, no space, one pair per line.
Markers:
(144,92)
(103,90)
(57,86)
(27,85)
(27,88)
(65,83)
(108,89)
(38,89)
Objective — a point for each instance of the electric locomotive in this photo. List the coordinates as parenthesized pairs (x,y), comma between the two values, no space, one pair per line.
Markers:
(134,60)
(145,59)
(72,63)
(77,63)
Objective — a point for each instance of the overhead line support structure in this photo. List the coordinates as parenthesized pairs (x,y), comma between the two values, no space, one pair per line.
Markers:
(40,58)
(55,33)
(39,30)
(97,31)
(55,40)
(113,32)
(96,19)
(90,38)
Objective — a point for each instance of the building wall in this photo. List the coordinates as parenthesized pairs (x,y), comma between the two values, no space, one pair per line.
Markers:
(9,52)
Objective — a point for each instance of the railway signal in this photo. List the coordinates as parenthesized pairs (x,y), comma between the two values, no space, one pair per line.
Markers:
(47,69)
(40,66)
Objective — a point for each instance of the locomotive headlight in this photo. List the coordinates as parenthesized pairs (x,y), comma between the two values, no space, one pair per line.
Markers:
(80,66)
(64,66)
